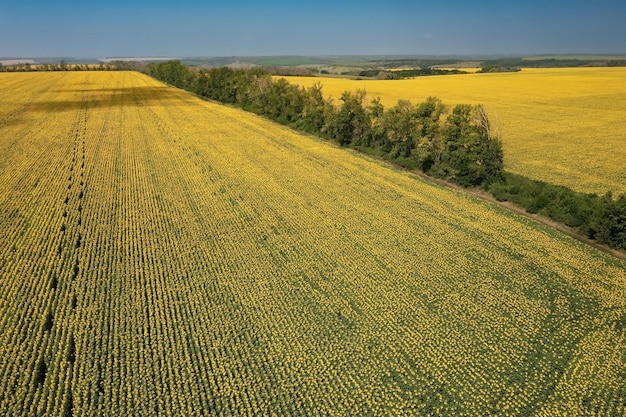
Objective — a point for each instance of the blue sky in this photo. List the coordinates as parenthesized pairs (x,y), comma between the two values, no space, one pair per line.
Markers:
(35,28)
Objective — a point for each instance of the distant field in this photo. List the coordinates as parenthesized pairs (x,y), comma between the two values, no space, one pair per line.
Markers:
(579,57)
(16,61)
(288,61)
(162,255)
(564,126)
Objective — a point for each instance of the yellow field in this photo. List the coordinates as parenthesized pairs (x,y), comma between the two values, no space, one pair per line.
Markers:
(162,255)
(563,126)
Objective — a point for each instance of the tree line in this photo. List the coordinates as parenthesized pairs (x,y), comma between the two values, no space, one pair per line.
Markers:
(460,147)
(403,74)
(457,145)
(65,66)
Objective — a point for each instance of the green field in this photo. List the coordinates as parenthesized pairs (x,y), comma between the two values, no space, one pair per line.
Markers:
(164,255)
(583,57)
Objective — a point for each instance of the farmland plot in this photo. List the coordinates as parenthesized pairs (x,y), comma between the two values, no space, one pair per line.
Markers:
(565,126)
(162,255)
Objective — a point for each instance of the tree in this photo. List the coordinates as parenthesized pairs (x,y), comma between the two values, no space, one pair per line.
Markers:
(284,102)
(221,85)
(612,224)
(401,128)
(313,109)
(470,155)
(429,147)
(352,124)
(378,134)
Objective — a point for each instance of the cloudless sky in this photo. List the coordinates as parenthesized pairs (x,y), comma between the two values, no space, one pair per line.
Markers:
(117,28)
